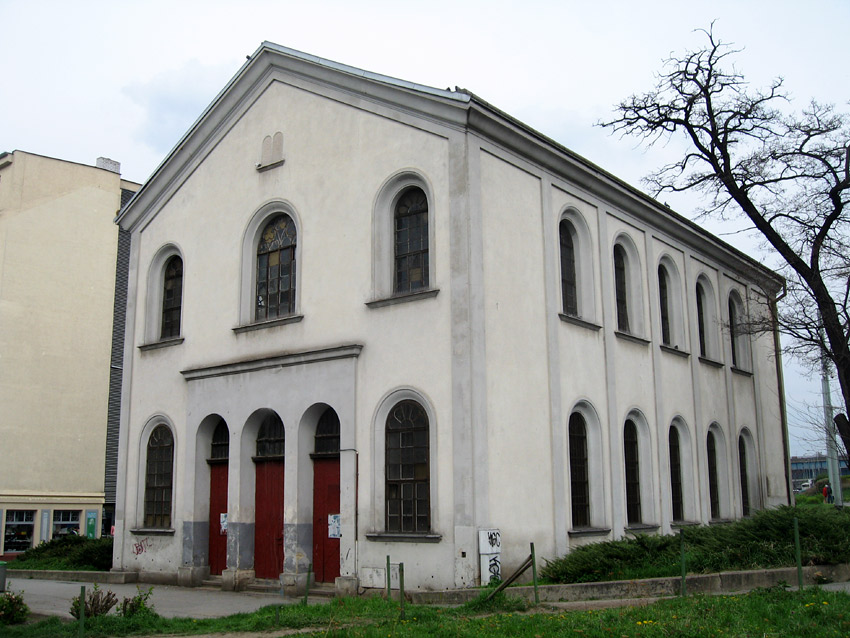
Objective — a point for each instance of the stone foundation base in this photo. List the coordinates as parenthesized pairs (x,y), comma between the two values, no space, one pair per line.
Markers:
(236,579)
(347,586)
(189,576)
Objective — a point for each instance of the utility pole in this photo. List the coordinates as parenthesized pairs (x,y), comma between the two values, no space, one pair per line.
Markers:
(829,427)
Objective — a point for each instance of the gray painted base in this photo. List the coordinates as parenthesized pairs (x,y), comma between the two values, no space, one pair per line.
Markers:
(236,579)
(348,586)
(196,542)
(294,584)
(240,546)
(297,547)
(191,576)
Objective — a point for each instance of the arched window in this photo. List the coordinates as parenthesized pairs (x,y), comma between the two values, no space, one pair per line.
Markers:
(407,470)
(737,336)
(411,241)
(569,291)
(220,445)
(745,486)
(159,471)
(276,269)
(733,330)
(676,474)
(632,462)
(713,487)
(172,297)
(621,288)
(326,441)
(701,302)
(579,480)
(664,300)
(271,439)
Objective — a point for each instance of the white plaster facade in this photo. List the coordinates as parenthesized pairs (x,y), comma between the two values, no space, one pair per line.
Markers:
(486,348)
(58,244)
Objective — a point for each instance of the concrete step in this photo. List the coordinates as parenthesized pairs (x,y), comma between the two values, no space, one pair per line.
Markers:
(211,582)
(271,586)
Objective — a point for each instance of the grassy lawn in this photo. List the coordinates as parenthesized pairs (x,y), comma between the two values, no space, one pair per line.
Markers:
(812,613)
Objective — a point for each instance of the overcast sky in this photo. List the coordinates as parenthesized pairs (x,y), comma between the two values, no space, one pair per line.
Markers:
(125,80)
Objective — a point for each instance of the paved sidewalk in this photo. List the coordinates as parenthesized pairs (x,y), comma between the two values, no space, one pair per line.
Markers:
(53,598)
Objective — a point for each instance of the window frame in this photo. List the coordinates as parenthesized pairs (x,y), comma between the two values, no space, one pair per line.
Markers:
(172,308)
(383,239)
(677,486)
(627,287)
(739,343)
(149,518)
(155,297)
(579,471)
(632,483)
(597,492)
(394,460)
(706,318)
(264,269)
(378,508)
(248,283)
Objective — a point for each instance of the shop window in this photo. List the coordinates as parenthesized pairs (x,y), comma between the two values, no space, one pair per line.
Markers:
(66,522)
(20,526)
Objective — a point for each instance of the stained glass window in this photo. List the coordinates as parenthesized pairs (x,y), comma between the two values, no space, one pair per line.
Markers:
(569,292)
(172,298)
(579,479)
(276,269)
(158,478)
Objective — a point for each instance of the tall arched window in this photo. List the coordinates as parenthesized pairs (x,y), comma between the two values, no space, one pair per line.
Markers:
(664,300)
(621,288)
(579,480)
(737,335)
(713,493)
(276,269)
(408,480)
(733,330)
(676,474)
(411,241)
(172,297)
(701,303)
(159,471)
(745,486)
(569,291)
(326,441)
(632,462)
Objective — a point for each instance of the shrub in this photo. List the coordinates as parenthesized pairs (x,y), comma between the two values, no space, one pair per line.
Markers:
(98,603)
(764,540)
(13,609)
(68,553)
(138,604)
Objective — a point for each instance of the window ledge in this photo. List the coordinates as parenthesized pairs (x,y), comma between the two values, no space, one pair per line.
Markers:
(397,537)
(630,337)
(741,371)
(589,531)
(637,528)
(264,167)
(261,325)
(720,521)
(165,343)
(680,524)
(711,362)
(675,350)
(577,321)
(152,531)
(403,298)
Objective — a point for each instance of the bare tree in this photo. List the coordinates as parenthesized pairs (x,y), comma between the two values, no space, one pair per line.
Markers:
(789,174)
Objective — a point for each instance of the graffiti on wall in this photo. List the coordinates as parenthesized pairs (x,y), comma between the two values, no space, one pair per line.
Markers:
(141,546)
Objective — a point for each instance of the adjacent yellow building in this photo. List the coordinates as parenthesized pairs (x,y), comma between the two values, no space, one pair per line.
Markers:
(58,250)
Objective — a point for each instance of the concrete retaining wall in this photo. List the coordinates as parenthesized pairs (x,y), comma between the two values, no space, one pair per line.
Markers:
(724,582)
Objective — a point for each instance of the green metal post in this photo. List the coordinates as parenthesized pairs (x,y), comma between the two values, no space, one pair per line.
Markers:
(307,586)
(797,554)
(534,575)
(401,587)
(82,625)
(682,560)
(389,593)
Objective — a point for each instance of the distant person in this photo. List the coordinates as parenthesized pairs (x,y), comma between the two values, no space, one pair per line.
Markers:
(829,497)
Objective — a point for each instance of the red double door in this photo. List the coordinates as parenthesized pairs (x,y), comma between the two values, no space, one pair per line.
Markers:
(325,532)
(218,510)
(268,522)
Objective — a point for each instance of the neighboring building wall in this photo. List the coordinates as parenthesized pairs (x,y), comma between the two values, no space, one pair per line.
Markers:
(57,274)
(486,349)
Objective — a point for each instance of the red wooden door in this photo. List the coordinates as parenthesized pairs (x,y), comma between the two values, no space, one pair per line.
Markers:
(268,527)
(218,506)
(325,502)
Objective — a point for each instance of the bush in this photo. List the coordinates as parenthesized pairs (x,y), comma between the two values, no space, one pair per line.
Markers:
(13,609)
(98,603)
(137,605)
(764,540)
(68,553)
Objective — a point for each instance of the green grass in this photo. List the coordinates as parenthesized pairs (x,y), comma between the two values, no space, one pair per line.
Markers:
(764,540)
(774,612)
(76,553)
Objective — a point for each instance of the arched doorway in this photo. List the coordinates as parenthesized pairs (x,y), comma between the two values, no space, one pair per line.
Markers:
(268,498)
(326,498)
(218,458)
